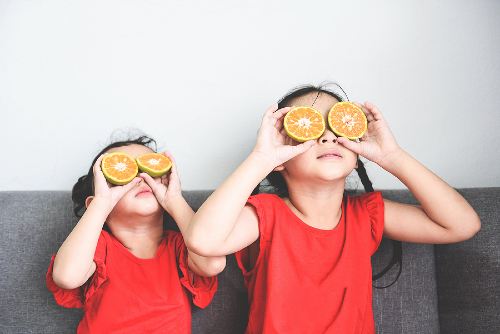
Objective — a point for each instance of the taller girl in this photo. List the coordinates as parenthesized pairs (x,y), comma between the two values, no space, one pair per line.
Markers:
(305,255)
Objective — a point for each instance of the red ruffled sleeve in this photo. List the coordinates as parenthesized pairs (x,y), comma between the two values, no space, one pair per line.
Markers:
(201,288)
(375,206)
(76,298)
(258,203)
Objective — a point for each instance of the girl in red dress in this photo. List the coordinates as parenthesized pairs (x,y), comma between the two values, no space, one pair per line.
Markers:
(305,249)
(119,264)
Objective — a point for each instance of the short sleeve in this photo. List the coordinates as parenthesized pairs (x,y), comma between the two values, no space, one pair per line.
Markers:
(375,207)
(76,298)
(244,256)
(201,288)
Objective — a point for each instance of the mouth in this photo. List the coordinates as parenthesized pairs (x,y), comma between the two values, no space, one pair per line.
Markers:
(330,155)
(143,192)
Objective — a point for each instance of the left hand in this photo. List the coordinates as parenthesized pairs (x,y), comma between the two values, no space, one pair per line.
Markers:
(378,143)
(166,188)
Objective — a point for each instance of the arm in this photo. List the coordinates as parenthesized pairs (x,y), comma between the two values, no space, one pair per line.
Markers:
(74,264)
(223,224)
(444,215)
(168,193)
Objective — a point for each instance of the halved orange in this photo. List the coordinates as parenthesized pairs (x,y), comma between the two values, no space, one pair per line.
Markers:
(119,168)
(347,120)
(304,123)
(155,164)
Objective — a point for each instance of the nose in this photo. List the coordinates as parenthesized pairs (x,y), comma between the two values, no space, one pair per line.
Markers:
(327,137)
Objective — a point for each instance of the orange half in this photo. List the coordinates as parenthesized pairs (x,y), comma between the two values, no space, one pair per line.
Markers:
(304,123)
(155,164)
(347,120)
(119,168)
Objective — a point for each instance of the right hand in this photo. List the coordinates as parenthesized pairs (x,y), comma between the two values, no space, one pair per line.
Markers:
(107,192)
(272,141)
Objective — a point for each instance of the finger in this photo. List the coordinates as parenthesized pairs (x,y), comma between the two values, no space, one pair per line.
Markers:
(269,112)
(127,187)
(377,115)
(301,148)
(368,114)
(165,179)
(97,166)
(278,114)
(349,144)
(149,181)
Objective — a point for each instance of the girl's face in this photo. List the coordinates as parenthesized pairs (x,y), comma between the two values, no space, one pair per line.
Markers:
(321,162)
(140,200)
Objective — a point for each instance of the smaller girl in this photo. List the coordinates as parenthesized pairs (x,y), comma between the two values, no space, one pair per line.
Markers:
(119,264)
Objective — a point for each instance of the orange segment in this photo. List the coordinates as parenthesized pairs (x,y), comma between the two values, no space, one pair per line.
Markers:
(119,168)
(154,164)
(347,120)
(304,123)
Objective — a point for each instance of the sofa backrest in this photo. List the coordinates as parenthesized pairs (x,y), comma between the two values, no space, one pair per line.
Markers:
(35,224)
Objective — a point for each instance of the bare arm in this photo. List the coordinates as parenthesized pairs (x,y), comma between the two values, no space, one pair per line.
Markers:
(223,224)
(73,264)
(168,193)
(444,215)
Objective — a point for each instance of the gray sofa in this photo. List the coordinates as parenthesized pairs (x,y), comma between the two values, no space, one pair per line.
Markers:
(443,288)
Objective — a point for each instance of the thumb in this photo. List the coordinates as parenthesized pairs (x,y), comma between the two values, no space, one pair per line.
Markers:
(155,187)
(126,188)
(301,148)
(349,144)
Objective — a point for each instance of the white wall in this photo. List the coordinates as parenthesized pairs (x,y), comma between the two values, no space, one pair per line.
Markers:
(197,76)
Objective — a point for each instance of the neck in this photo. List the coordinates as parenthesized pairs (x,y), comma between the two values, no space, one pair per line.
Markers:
(318,205)
(141,235)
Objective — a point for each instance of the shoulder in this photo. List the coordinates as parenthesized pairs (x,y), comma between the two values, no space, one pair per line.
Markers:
(368,200)
(264,201)
(174,240)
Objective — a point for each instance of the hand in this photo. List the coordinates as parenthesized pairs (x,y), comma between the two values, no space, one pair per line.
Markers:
(166,188)
(272,139)
(104,190)
(378,143)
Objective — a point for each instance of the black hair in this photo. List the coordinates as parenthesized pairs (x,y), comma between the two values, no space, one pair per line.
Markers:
(275,182)
(84,187)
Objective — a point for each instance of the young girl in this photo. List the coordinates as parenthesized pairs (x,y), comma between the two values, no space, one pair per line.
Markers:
(119,264)
(305,256)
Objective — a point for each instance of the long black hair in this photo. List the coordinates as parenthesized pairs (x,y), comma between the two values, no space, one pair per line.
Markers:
(84,187)
(275,182)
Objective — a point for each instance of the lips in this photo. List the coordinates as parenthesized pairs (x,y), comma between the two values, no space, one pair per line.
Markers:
(143,191)
(330,154)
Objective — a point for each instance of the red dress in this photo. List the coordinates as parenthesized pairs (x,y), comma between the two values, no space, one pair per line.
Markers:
(127,294)
(308,280)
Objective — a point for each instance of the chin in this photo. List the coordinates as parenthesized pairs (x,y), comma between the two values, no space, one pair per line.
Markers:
(144,207)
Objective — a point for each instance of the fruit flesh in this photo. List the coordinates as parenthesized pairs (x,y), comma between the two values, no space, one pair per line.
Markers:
(154,164)
(304,123)
(347,120)
(119,168)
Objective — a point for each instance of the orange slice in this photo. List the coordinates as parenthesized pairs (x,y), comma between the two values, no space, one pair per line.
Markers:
(155,164)
(347,120)
(119,168)
(304,123)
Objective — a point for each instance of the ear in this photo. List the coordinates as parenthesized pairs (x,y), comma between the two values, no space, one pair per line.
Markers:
(278,168)
(88,200)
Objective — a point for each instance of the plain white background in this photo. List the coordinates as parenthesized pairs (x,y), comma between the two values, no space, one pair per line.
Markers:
(197,75)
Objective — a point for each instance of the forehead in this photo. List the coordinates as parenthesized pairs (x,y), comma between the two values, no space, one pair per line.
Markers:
(133,150)
(322,102)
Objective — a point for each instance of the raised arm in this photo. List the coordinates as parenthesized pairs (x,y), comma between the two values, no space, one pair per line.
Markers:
(223,224)
(73,264)
(444,216)
(168,193)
